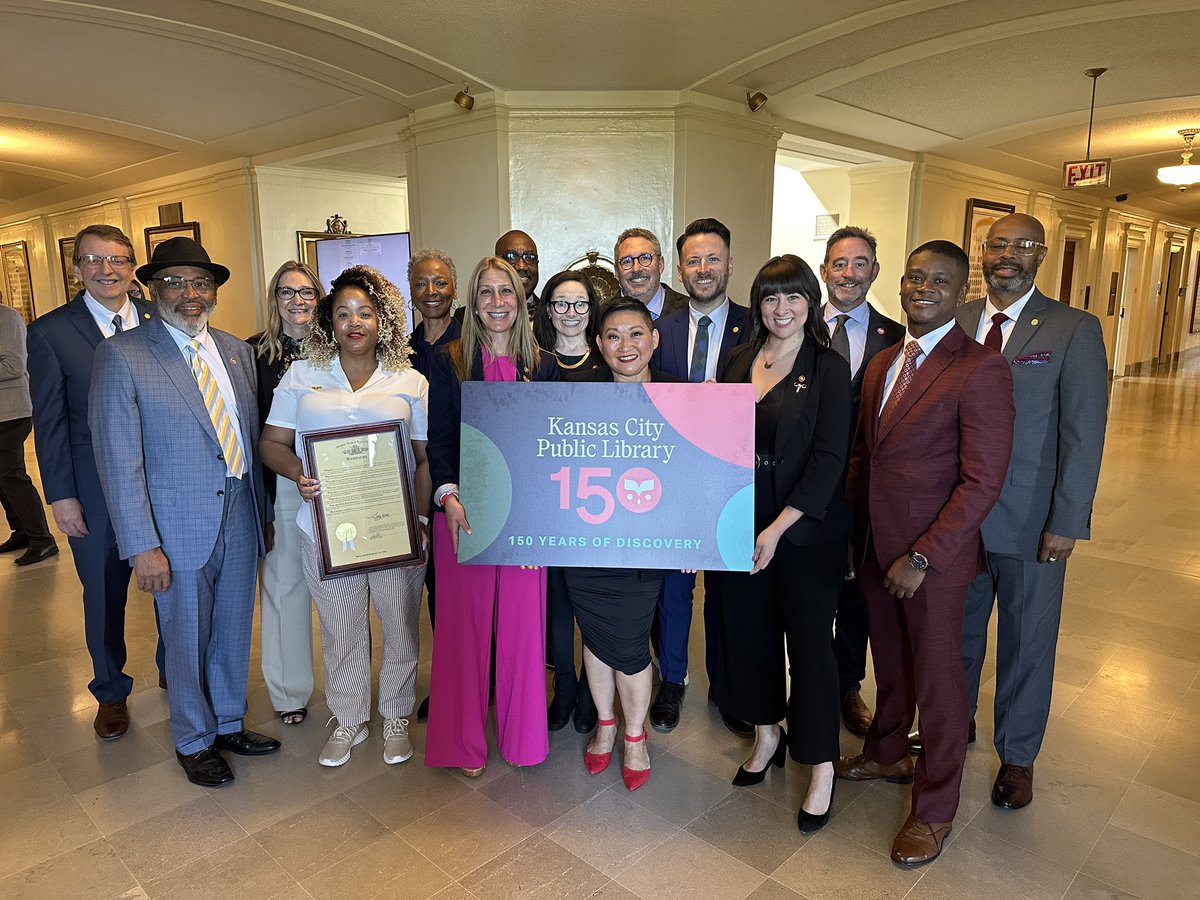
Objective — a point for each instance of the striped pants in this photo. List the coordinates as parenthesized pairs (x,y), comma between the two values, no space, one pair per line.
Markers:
(342,605)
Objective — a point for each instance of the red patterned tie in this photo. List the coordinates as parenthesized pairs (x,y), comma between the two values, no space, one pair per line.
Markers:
(911,353)
(995,337)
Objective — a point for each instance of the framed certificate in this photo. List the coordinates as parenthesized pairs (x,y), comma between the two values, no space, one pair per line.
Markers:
(366,514)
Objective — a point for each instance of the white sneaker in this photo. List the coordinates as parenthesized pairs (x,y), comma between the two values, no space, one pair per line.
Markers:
(396,745)
(344,739)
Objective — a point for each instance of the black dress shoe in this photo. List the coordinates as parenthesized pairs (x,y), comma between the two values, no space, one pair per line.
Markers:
(664,711)
(916,745)
(206,768)
(423,710)
(740,727)
(15,542)
(1014,787)
(36,554)
(246,743)
(162,682)
(808,822)
(746,779)
(563,702)
(585,709)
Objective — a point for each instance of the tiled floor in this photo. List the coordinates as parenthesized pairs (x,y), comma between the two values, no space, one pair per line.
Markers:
(1117,812)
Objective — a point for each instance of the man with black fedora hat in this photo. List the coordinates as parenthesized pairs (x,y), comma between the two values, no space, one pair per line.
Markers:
(175,430)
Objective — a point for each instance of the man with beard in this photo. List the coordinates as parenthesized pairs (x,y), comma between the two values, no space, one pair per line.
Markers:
(175,430)
(640,265)
(1060,387)
(691,340)
(518,250)
(857,331)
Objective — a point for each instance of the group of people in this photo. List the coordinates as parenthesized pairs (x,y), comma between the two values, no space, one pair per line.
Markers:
(907,478)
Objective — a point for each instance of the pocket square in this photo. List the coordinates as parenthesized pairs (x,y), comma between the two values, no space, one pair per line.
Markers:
(1032,359)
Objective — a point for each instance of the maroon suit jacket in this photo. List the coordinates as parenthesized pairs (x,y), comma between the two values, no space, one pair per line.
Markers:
(928,479)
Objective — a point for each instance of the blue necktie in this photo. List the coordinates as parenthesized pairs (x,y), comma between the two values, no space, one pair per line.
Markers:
(700,350)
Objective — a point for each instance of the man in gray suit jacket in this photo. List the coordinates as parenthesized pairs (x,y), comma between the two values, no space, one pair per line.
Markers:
(175,429)
(1060,387)
(640,265)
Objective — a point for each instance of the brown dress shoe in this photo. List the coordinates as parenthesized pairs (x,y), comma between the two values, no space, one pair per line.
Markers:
(918,841)
(855,714)
(862,768)
(1014,787)
(112,720)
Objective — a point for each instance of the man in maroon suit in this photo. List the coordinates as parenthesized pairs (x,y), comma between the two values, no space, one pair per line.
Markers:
(929,459)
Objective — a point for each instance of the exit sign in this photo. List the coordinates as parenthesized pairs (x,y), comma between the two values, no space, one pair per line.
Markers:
(1088,173)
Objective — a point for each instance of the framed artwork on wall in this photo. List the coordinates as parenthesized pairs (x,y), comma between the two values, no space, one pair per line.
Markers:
(16,283)
(980,216)
(157,234)
(66,255)
(306,246)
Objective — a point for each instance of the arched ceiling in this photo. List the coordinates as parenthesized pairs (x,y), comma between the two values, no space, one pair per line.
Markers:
(96,95)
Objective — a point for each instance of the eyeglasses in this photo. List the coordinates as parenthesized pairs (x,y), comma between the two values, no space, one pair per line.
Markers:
(561,306)
(93,261)
(287,293)
(173,284)
(644,259)
(512,256)
(1021,246)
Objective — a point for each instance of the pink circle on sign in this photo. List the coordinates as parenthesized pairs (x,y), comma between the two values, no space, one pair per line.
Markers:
(639,490)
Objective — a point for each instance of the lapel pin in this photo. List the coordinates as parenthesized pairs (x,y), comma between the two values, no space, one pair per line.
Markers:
(145,315)
(232,361)
(879,331)
(1033,321)
(800,385)
(737,328)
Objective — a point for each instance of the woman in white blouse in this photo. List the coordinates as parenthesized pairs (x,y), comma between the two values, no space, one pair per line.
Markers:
(357,372)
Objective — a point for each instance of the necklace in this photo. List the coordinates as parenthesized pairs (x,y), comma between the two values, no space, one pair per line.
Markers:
(575,365)
(768,363)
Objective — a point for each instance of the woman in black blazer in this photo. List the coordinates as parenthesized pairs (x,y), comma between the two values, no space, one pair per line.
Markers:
(802,522)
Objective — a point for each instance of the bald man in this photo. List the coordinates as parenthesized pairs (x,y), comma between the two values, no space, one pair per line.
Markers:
(518,250)
(1060,387)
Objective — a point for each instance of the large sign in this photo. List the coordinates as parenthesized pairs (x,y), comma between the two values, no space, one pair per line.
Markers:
(1087,173)
(657,476)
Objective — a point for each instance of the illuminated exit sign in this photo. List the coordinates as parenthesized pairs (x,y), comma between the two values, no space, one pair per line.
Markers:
(1088,173)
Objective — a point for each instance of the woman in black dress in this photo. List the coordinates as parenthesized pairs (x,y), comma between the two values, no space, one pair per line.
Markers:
(802,522)
(615,607)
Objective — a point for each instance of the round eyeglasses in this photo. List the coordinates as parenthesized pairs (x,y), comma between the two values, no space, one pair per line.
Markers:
(563,306)
(645,260)
(288,293)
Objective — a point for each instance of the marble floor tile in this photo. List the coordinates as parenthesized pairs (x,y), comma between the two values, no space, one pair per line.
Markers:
(319,835)
(683,867)
(466,833)
(386,867)
(537,868)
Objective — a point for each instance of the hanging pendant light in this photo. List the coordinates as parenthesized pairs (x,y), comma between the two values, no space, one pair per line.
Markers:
(1184,174)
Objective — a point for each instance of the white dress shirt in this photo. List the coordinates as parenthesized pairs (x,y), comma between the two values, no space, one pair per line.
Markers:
(716,333)
(656,302)
(927,342)
(856,331)
(104,316)
(216,365)
(1013,311)
(309,399)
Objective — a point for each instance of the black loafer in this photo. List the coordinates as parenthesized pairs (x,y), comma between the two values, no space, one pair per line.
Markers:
(246,743)
(206,767)
(36,554)
(664,712)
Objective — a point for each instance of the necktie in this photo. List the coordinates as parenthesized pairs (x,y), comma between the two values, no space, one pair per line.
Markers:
(118,325)
(995,337)
(839,341)
(227,436)
(907,371)
(700,351)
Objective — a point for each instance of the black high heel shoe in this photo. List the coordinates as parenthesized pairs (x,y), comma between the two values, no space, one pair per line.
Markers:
(746,779)
(808,822)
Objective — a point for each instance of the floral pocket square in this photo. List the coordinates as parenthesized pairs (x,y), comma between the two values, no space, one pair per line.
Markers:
(1032,359)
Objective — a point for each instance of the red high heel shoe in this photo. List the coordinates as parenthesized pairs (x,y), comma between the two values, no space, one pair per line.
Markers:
(598,762)
(634,778)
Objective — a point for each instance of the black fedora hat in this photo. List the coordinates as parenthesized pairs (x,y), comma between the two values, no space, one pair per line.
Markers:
(181,251)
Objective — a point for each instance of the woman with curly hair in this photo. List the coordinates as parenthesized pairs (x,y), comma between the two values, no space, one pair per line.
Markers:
(287,657)
(357,372)
(477,602)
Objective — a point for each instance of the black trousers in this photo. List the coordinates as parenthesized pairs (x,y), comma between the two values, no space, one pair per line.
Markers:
(791,603)
(850,638)
(21,501)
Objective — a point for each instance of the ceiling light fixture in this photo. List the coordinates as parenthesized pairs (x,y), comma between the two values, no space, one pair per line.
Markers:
(1184,174)
(756,101)
(464,99)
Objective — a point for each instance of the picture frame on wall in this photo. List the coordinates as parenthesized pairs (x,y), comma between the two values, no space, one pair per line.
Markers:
(66,255)
(306,246)
(157,234)
(16,283)
(980,216)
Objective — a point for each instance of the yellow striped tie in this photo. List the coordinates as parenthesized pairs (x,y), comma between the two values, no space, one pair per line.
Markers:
(226,434)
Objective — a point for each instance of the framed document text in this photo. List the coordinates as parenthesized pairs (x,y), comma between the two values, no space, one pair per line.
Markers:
(365,517)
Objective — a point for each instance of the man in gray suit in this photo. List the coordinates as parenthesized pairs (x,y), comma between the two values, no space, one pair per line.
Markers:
(640,265)
(175,429)
(1060,387)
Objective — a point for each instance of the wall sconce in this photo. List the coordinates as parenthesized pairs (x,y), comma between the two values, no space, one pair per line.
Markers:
(464,99)
(756,101)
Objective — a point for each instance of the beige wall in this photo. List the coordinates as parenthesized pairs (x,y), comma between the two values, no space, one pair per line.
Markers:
(799,197)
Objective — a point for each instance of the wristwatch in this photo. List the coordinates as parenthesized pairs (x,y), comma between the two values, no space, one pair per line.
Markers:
(917,561)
